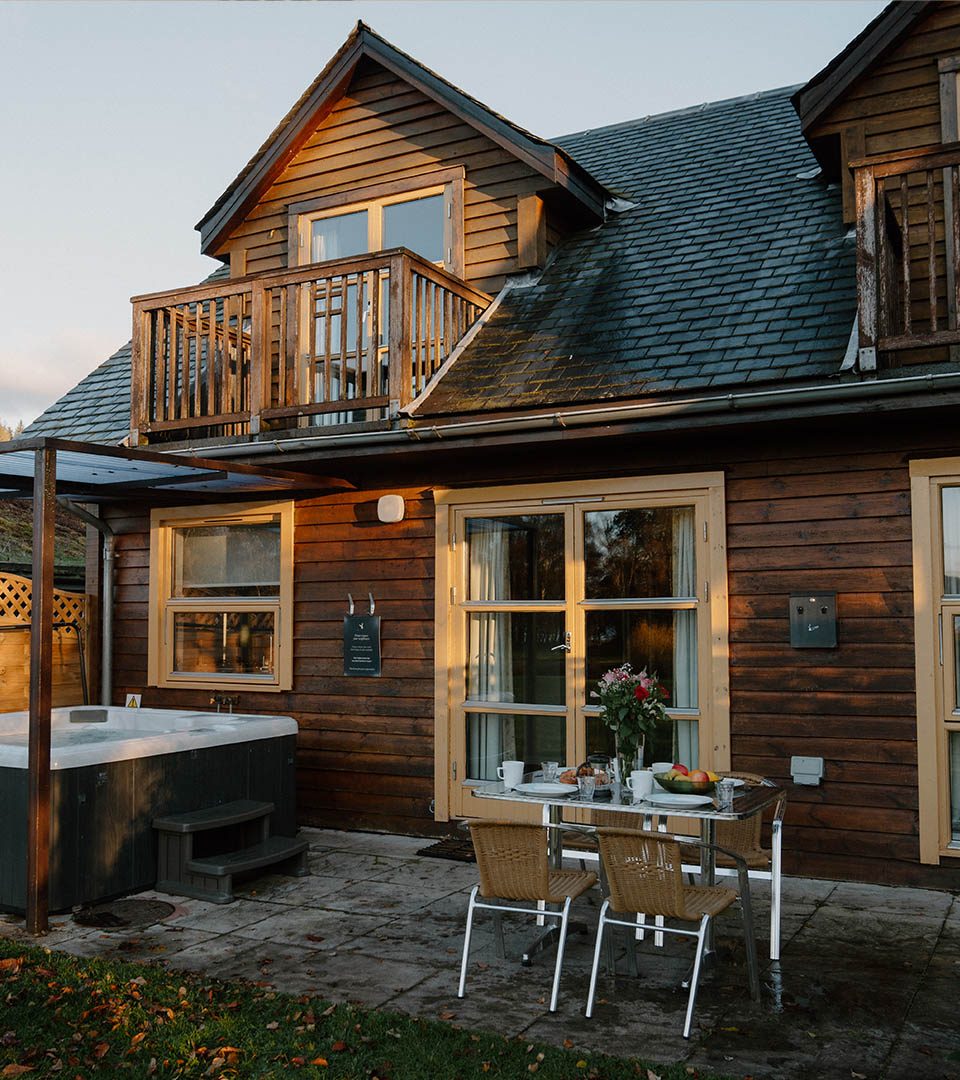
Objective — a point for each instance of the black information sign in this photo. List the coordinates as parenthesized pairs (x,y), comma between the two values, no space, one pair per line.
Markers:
(361,644)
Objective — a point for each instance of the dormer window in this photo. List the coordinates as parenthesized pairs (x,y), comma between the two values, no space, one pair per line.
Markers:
(424,217)
(412,222)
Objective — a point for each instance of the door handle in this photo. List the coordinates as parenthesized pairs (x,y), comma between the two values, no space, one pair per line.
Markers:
(565,644)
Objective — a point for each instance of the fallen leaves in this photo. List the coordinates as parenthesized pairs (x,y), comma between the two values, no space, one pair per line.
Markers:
(16,1070)
(11,966)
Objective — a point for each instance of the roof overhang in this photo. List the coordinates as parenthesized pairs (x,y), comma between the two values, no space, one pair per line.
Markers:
(315,103)
(108,474)
(820,94)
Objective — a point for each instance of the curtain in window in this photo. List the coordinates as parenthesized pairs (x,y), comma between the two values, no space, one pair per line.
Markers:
(490,738)
(951,541)
(686,744)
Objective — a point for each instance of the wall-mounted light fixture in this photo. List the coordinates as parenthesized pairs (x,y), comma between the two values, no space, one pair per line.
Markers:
(390,509)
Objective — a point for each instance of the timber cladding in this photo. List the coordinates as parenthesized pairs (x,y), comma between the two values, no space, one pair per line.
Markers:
(837,519)
(385,130)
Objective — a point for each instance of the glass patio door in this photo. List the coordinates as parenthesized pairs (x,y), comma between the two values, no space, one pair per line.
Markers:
(544,600)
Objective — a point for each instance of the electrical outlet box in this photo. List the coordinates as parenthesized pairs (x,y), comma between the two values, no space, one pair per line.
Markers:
(807,770)
(813,620)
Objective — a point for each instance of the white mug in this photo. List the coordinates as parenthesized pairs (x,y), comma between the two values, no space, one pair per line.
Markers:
(640,783)
(511,773)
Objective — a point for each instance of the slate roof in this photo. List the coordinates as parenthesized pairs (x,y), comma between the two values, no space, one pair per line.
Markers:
(733,268)
(97,409)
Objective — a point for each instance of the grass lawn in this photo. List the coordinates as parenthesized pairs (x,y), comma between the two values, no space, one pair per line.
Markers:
(77,1018)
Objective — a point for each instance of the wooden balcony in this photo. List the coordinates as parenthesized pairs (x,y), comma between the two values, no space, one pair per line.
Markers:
(908,255)
(344,342)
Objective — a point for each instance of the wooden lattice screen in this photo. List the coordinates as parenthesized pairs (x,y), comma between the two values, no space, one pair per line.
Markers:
(15,609)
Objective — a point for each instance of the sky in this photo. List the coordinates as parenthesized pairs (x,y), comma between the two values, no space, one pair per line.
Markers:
(121,122)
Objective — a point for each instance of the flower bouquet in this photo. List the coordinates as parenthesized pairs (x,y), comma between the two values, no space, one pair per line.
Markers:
(631,706)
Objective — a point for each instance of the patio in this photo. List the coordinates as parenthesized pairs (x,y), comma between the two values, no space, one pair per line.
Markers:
(865,988)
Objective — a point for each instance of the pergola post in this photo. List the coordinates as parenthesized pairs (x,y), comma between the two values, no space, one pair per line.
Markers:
(41,691)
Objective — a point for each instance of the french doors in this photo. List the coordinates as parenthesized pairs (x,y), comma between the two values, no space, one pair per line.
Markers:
(543,589)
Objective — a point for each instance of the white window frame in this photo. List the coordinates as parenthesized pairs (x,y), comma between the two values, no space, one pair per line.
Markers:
(163,605)
(373,198)
(934,670)
(704,489)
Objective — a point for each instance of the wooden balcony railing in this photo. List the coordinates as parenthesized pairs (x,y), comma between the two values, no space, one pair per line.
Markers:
(339,342)
(908,253)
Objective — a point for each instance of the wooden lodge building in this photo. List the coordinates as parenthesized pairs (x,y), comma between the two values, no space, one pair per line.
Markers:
(643,392)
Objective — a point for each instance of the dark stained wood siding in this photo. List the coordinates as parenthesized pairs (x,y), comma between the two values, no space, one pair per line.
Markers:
(383,129)
(897,102)
(836,517)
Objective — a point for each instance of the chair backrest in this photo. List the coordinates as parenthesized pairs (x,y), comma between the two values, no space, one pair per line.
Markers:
(644,872)
(742,837)
(512,859)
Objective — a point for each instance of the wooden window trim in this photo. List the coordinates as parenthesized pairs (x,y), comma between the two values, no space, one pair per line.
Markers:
(933,778)
(448,181)
(159,649)
(705,488)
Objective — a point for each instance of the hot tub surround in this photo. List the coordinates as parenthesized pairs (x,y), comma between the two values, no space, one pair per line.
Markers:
(114,770)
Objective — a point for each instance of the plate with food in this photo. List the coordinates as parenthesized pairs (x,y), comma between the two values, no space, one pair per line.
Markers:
(553,791)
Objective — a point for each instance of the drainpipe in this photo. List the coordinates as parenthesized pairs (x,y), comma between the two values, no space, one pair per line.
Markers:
(106,600)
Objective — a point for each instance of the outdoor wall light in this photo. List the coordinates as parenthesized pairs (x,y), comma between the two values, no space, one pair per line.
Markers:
(390,509)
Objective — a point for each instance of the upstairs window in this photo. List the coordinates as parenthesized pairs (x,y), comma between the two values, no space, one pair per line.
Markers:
(411,222)
(426,218)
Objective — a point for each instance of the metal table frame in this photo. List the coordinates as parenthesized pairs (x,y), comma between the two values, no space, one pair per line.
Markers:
(747,803)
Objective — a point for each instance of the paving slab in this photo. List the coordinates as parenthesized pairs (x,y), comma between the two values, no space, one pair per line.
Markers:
(866,985)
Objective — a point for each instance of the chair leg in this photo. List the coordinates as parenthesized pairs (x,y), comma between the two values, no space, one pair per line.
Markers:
(564,918)
(596,957)
(775,889)
(695,977)
(466,940)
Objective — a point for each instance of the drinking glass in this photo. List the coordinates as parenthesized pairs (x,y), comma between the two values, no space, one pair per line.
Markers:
(550,770)
(725,790)
(587,786)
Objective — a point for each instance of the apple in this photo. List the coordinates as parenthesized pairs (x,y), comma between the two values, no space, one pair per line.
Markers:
(682,769)
(698,776)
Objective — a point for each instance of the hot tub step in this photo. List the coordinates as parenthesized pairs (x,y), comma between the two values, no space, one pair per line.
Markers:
(200,851)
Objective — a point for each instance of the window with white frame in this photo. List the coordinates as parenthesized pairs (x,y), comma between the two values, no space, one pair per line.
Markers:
(423,213)
(935,494)
(221,592)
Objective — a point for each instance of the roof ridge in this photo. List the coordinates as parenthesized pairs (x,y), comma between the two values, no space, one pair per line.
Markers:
(754,95)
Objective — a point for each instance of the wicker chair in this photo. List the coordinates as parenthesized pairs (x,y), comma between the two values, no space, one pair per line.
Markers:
(644,871)
(512,860)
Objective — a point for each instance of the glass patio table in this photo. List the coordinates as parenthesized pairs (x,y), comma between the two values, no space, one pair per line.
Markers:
(748,801)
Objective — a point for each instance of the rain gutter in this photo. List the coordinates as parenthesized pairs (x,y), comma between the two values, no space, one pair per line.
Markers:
(679,409)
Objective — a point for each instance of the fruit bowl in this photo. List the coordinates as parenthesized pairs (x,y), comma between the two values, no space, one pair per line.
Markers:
(685,787)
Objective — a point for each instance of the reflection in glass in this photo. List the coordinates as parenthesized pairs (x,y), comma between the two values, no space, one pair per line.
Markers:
(955,787)
(227,560)
(663,642)
(512,658)
(494,738)
(640,552)
(516,557)
(416,224)
(338,236)
(956,663)
(229,642)
(951,540)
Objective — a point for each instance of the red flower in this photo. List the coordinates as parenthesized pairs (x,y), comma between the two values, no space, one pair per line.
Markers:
(641,693)
(664,692)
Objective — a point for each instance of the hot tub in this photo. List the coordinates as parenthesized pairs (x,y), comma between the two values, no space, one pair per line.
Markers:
(114,770)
